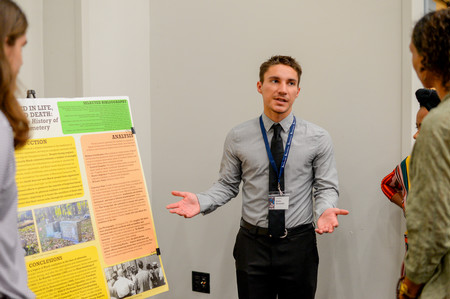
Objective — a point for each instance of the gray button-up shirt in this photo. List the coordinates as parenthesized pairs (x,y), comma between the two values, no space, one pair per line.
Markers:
(310,172)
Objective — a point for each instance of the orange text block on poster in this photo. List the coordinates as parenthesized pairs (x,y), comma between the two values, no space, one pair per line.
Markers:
(119,196)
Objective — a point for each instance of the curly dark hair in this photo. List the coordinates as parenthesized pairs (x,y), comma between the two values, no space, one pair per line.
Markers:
(431,37)
(279,59)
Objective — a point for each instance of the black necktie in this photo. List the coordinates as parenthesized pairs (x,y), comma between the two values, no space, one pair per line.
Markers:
(276,217)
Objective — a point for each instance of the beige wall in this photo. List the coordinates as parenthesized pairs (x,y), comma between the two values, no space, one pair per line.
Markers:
(91,48)
(205,57)
(190,69)
(31,75)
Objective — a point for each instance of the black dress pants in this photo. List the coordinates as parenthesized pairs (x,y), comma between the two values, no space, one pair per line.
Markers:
(267,267)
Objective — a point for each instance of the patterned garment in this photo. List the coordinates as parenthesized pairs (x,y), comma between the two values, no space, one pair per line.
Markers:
(397,181)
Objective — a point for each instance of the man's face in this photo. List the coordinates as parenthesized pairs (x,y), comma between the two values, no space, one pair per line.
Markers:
(279,91)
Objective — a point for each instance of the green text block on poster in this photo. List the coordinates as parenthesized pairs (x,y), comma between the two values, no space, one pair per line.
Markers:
(94,116)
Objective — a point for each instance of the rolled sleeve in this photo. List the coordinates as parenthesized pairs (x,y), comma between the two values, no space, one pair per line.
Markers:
(227,187)
(326,190)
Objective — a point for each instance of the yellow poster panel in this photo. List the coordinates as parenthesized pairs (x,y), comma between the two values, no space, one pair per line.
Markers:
(75,274)
(48,171)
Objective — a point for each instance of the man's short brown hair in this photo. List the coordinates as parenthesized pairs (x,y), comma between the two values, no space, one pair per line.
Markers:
(279,59)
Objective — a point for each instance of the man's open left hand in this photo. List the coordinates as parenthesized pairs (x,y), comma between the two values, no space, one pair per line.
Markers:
(327,222)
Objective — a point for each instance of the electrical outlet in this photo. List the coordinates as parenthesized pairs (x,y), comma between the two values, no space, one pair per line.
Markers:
(200,282)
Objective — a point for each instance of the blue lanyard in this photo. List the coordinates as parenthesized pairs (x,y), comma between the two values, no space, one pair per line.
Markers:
(286,150)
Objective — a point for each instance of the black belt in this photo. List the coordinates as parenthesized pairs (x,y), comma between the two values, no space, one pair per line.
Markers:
(264,231)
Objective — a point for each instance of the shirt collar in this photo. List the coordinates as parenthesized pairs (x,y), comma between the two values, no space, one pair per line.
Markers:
(285,123)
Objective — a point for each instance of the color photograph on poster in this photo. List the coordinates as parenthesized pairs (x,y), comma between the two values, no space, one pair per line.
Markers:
(64,225)
(27,232)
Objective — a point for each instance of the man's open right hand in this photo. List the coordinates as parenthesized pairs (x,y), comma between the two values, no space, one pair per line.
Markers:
(187,207)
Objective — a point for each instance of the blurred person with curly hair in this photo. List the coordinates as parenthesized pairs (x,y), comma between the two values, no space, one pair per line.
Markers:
(427,261)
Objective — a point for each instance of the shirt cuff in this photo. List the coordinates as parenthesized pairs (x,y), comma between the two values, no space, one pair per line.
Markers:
(205,203)
(324,204)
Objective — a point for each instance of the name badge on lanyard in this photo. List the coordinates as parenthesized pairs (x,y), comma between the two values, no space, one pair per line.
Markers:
(278,200)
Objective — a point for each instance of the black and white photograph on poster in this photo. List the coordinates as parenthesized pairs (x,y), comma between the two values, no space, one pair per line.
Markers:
(64,225)
(27,232)
(134,277)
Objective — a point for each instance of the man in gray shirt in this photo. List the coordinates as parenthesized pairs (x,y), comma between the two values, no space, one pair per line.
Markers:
(269,263)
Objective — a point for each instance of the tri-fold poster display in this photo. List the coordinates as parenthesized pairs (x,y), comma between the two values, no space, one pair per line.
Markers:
(85,218)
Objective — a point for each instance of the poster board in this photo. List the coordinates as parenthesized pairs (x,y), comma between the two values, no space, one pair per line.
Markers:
(84,213)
